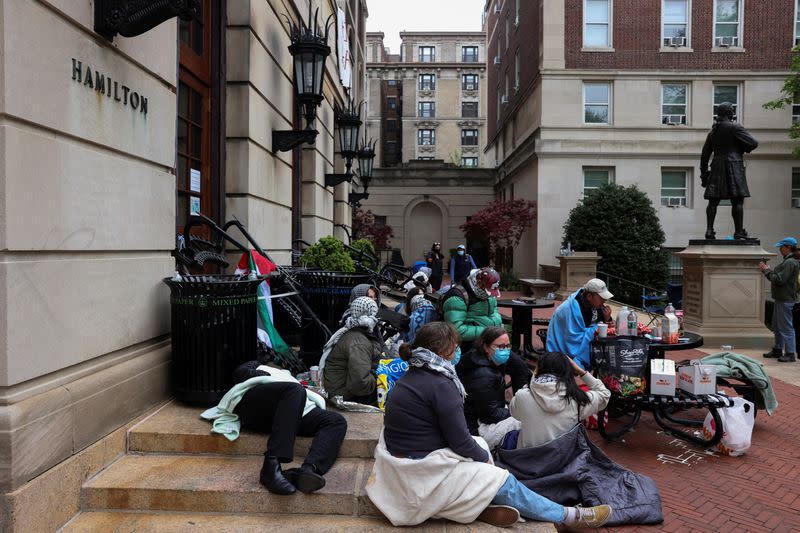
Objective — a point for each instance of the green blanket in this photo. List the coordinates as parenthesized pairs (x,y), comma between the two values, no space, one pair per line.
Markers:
(738,366)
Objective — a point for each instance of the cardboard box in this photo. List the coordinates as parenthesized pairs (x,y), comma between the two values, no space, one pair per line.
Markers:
(698,379)
(662,377)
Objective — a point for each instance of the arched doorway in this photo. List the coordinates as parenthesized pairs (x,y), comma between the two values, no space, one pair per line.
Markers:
(423,227)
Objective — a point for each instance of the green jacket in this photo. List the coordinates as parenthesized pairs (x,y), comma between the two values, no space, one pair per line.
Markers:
(350,367)
(470,321)
(784,279)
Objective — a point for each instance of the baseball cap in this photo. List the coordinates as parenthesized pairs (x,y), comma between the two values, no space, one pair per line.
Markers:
(461,247)
(786,241)
(598,286)
(489,280)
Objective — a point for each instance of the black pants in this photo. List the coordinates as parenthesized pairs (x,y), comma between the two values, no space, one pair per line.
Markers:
(277,409)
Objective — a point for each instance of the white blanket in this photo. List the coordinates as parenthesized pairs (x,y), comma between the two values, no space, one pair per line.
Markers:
(441,485)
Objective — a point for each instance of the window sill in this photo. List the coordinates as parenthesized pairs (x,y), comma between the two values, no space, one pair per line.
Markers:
(597,49)
(598,124)
(728,49)
(676,49)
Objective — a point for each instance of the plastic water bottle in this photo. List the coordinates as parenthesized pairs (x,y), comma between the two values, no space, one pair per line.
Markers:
(177,276)
(622,321)
(669,309)
(633,323)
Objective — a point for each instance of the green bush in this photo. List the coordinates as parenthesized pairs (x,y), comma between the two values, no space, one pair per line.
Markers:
(622,226)
(509,281)
(364,245)
(328,253)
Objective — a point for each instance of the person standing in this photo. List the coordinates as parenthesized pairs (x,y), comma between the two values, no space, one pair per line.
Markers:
(785,292)
(461,265)
(434,259)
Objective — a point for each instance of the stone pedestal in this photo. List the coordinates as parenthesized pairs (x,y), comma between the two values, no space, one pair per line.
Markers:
(723,292)
(576,270)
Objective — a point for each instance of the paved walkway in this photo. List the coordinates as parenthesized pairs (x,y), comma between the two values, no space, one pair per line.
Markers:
(703,491)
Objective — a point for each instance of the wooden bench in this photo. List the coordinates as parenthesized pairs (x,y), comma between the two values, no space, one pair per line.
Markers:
(538,288)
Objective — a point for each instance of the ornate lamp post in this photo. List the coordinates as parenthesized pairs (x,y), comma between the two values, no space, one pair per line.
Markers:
(348,122)
(309,51)
(366,160)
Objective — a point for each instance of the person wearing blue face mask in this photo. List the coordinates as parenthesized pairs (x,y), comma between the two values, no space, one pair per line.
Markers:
(461,265)
(482,371)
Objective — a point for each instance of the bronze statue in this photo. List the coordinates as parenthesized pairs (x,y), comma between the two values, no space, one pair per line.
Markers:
(728,141)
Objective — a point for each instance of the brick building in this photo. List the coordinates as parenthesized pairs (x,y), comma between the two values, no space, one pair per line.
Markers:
(624,91)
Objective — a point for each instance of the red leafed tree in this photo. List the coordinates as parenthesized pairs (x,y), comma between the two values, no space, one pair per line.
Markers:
(502,223)
(365,227)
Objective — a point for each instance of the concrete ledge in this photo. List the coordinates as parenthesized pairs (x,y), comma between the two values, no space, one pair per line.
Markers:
(45,429)
(51,499)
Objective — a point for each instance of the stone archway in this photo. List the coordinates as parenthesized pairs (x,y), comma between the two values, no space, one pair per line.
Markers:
(425,222)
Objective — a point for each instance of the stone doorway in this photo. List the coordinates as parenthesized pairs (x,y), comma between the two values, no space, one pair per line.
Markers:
(423,227)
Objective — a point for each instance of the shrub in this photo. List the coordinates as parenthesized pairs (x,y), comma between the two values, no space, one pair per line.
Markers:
(366,227)
(509,281)
(328,254)
(363,245)
(621,225)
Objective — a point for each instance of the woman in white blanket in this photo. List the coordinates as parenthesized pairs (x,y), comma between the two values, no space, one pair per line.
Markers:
(427,465)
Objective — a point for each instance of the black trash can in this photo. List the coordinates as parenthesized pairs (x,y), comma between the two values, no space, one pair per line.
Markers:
(328,295)
(213,331)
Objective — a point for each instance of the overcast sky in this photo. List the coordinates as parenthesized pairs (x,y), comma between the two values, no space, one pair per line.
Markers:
(393,16)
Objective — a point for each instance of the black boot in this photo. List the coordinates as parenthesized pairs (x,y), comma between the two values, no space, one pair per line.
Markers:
(272,477)
(710,234)
(740,235)
(305,478)
(787,358)
(773,354)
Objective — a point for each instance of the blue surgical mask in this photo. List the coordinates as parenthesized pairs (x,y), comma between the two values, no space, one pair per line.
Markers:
(501,356)
(461,252)
(456,356)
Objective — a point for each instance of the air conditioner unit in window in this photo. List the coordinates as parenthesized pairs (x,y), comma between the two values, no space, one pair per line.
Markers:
(795,202)
(675,202)
(675,42)
(498,8)
(497,60)
(504,99)
(795,119)
(674,120)
(726,42)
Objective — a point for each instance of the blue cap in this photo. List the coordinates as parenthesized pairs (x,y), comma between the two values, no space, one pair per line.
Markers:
(786,241)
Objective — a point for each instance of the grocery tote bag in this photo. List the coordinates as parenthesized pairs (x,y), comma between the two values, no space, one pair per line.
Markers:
(621,364)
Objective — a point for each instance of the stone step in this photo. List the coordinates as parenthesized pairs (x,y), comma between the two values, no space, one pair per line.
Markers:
(220,483)
(106,521)
(178,428)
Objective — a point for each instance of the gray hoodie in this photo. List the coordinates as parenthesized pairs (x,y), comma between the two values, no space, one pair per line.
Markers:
(545,414)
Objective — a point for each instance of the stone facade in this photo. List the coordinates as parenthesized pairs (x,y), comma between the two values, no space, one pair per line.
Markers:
(88,185)
(546,151)
(442,114)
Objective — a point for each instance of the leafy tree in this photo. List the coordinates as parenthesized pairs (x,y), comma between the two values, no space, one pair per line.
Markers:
(365,227)
(363,245)
(501,223)
(622,226)
(790,93)
(328,253)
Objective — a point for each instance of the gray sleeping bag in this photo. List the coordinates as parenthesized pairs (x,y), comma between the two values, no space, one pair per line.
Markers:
(570,470)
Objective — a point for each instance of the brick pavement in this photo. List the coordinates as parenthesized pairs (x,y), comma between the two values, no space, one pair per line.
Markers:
(703,491)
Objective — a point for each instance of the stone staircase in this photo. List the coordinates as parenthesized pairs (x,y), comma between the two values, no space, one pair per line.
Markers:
(177,476)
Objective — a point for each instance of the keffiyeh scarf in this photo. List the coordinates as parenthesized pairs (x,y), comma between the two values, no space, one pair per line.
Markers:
(424,358)
(362,314)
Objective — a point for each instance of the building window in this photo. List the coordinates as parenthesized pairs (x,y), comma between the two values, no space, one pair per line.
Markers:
(471,162)
(469,137)
(674,184)
(516,71)
(425,158)
(727,23)
(594,178)
(426,137)
(391,103)
(427,54)
(675,265)
(796,187)
(797,23)
(675,22)
(427,82)
(516,14)
(727,93)
(674,98)
(469,54)
(597,23)
(469,109)
(796,108)
(391,83)
(426,109)
(391,125)
(469,82)
(596,103)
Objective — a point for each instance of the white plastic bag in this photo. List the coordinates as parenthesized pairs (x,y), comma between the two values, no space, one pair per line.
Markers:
(737,426)
(493,433)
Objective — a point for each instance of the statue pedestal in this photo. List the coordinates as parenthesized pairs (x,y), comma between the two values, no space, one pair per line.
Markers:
(723,292)
(576,270)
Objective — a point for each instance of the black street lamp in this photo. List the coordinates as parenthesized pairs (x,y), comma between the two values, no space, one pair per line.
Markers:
(366,160)
(309,51)
(348,122)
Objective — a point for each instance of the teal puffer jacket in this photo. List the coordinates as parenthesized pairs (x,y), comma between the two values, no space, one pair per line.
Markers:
(471,321)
